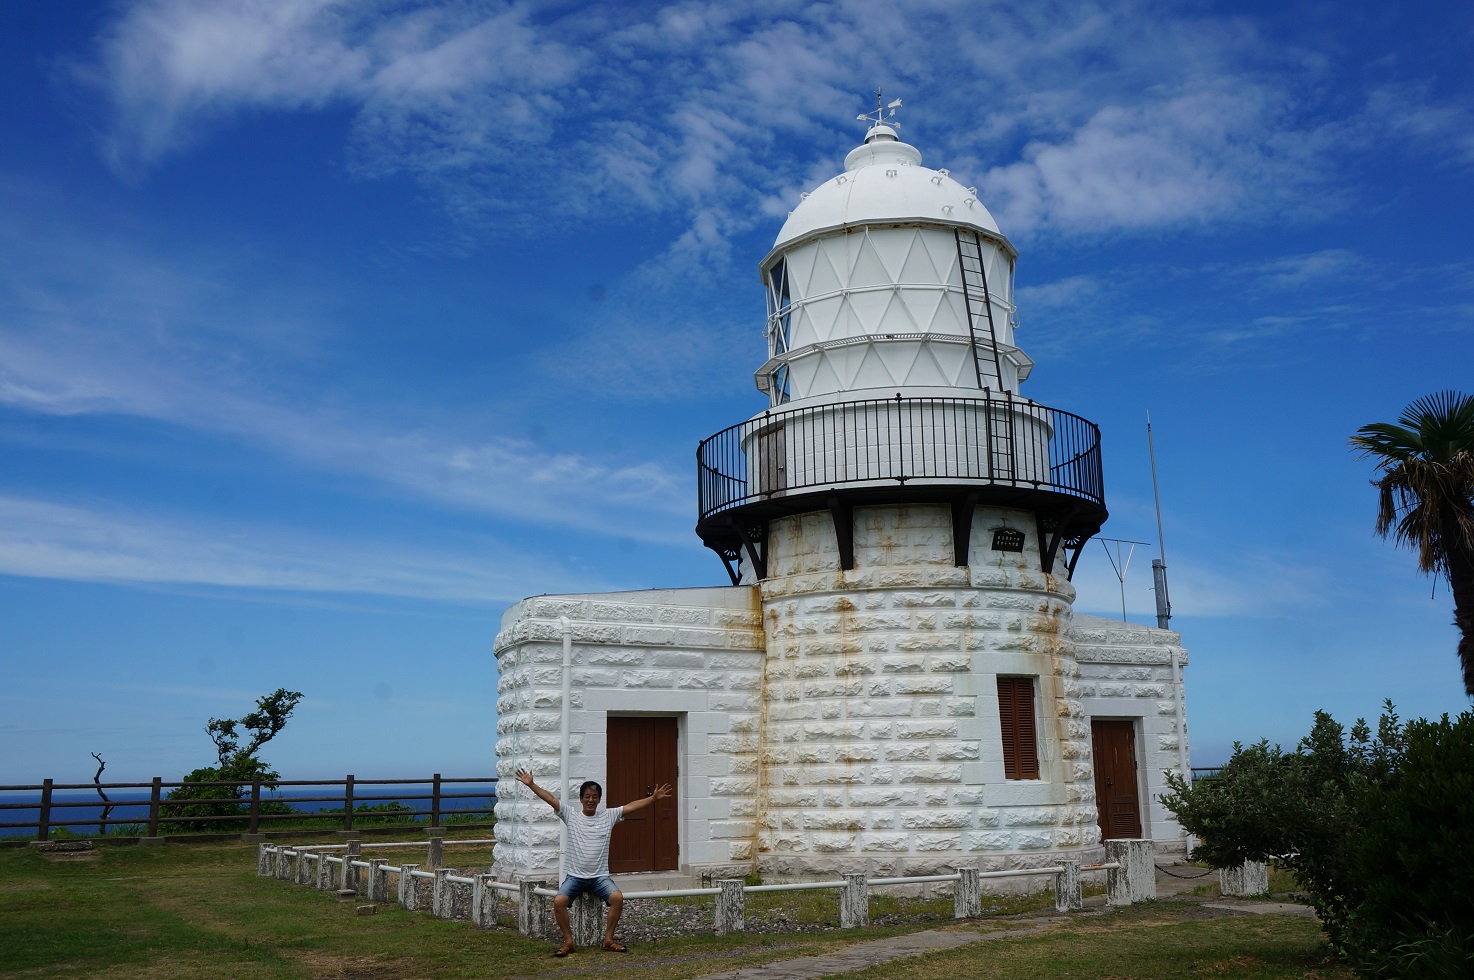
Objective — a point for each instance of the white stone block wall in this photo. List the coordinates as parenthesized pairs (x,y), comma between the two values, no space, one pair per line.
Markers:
(882,749)
(876,714)
(1126,672)
(694,654)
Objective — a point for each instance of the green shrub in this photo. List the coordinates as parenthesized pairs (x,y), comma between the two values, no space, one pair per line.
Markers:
(1375,828)
(1411,855)
(376,814)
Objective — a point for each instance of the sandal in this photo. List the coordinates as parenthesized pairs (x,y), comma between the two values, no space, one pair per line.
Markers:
(610,946)
(563,950)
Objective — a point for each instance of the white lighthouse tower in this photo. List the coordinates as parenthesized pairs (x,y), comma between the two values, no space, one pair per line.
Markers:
(910,520)
(896,681)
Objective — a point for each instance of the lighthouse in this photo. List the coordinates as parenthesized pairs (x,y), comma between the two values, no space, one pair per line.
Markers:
(910,520)
(895,681)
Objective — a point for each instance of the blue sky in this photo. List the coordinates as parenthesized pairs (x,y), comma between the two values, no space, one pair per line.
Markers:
(330,329)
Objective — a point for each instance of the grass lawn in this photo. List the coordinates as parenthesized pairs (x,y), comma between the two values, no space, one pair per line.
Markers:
(1146,941)
(200,911)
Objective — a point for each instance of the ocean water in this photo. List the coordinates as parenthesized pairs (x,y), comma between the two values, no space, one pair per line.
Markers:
(130,806)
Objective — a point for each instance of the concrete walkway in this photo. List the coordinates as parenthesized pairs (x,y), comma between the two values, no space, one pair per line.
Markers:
(877,951)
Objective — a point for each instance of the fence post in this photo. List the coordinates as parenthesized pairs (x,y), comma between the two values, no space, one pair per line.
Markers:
(253,825)
(153,807)
(263,855)
(440,894)
(967,900)
(1249,878)
(349,880)
(854,902)
(1136,878)
(324,872)
(435,801)
(348,802)
(285,869)
(1068,895)
(378,881)
(434,852)
(43,822)
(409,887)
(483,901)
(731,907)
(304,867)
(532,910)
(588,920)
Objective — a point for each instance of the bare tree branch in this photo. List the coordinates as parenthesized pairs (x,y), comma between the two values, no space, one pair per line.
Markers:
(107,809)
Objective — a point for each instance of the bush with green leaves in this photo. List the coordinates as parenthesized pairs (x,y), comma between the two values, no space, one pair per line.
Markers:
(1375,827)
(1412,856)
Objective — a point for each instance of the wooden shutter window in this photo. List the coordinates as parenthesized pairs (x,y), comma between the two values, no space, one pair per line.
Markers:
(1016,716)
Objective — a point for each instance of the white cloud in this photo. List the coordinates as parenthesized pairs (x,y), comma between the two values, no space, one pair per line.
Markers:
(1111,118)
(1186,158)
(171,64)
(1061,294)
(1298,271)
(42,539)
(1266,587)
(87,327)
(68,371)
(1409,112)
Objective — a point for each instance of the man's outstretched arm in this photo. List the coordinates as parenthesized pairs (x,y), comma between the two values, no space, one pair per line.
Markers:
(661,792)
(525,778)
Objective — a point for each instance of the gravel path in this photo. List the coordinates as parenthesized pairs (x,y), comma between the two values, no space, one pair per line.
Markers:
(647,920)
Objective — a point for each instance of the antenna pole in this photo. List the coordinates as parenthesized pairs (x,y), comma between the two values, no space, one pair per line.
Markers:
(1159,565)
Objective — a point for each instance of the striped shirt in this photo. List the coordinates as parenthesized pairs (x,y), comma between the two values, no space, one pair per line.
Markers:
(588,840)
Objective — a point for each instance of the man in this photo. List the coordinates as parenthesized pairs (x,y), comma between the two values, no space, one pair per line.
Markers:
(586,862)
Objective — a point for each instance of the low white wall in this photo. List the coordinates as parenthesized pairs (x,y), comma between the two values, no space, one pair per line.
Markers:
(695,654)
(1126,672)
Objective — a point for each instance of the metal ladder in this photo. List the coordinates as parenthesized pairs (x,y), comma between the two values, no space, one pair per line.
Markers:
(978,303)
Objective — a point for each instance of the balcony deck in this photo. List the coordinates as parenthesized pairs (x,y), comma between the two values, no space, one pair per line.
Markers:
(993,450)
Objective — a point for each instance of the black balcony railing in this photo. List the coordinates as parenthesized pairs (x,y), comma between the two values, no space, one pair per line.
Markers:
(993,448)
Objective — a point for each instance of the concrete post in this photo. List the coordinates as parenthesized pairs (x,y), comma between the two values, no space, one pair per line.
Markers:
(265,858)
(409,887)
(1249,878)
(435,853)
(532,910)
(967,900)
(324,872)
(440,897)
(1136,878)
(350,880)
(1068,895)
(284,864)
(377,888)
(731,907)
(588,920)
(484,901)
(854,902)
(304,875)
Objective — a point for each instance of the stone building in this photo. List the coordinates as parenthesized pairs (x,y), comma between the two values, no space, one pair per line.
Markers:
(895,681)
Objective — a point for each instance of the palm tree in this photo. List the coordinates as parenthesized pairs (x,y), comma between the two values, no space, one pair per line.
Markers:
(1426,496)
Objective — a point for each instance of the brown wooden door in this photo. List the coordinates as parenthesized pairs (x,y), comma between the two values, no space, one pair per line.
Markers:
(1114,746)
(642,755)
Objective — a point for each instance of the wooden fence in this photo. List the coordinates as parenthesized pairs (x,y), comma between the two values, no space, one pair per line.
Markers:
(230,807)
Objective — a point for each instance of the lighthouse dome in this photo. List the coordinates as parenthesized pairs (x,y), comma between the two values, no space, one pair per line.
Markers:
(884,181)
(889,276)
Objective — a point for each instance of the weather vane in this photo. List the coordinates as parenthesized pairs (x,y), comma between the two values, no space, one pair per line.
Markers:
(879,116)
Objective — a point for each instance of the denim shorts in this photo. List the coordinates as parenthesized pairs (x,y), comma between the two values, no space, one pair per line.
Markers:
(574,887)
